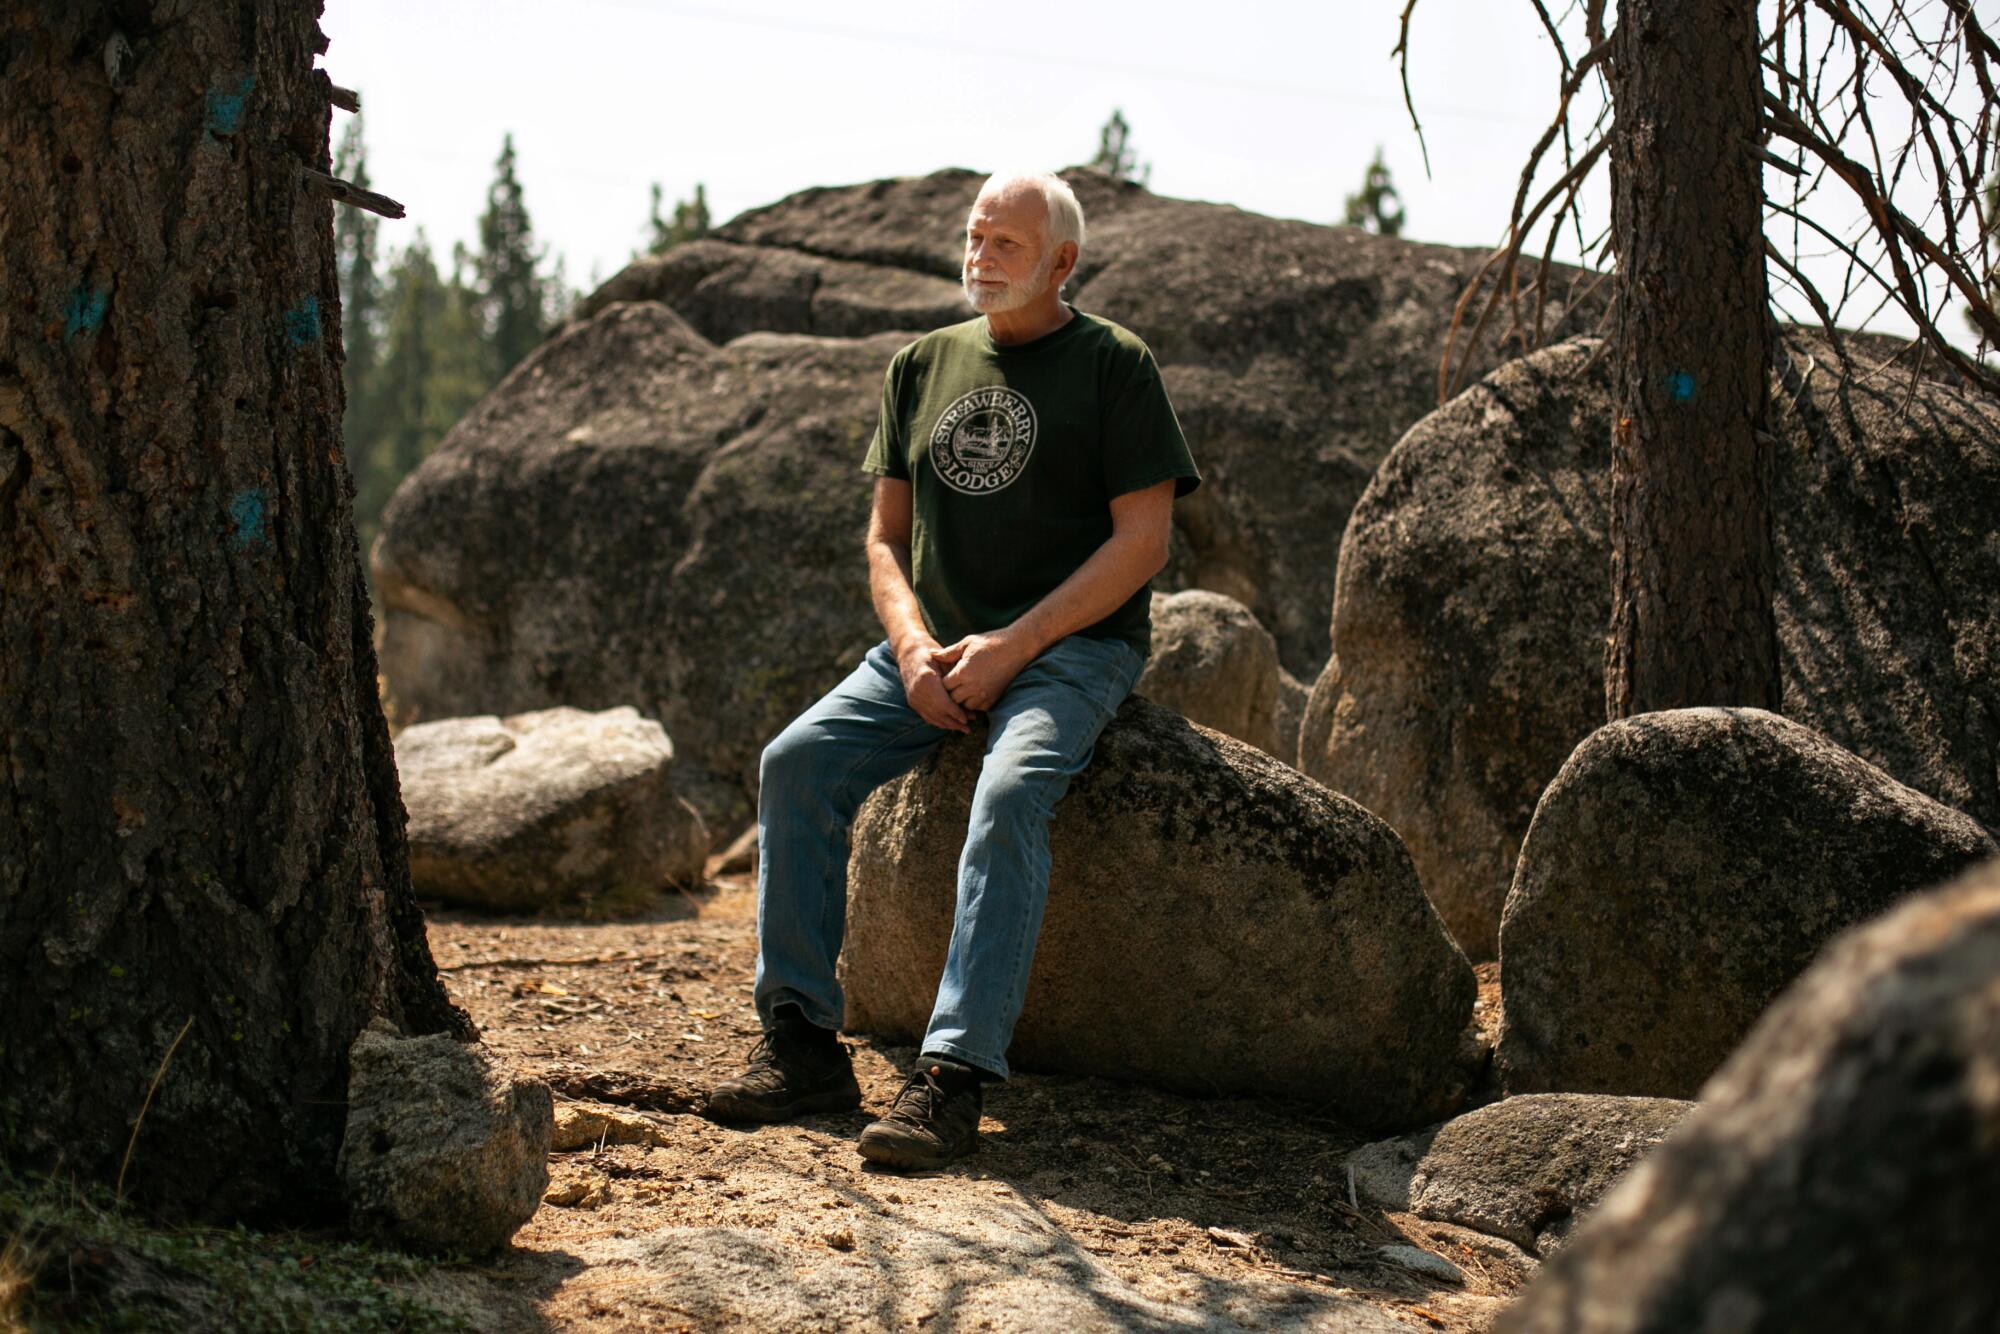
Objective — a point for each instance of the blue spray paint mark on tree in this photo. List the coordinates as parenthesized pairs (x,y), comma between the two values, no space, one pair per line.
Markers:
(302,323)
(1680,387)
(84,310)
(246,511)
(225,108)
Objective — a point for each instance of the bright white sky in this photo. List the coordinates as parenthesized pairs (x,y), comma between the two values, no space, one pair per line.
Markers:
(1273,105)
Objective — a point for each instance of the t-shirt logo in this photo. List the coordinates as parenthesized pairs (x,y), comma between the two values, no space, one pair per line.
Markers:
(982,442)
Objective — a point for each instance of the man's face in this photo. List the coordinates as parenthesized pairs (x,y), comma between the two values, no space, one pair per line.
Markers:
(1008,263)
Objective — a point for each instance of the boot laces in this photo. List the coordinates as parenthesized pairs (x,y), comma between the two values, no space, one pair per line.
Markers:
(763,1056)
(920,1096)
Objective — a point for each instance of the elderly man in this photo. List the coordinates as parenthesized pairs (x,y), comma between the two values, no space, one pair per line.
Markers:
(1026,465)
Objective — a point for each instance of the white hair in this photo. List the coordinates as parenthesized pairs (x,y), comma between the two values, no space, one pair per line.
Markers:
(1065,219)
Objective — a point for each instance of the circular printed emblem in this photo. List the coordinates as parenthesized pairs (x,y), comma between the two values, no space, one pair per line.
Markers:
(982,442)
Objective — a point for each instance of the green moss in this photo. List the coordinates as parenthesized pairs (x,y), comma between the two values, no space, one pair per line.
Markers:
(73,1259)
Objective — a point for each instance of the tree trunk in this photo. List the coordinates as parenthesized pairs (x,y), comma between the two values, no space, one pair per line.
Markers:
(1692,565)
(199,813)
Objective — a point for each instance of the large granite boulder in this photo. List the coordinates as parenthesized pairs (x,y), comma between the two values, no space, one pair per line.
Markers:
(727,289)
(639,516)
(1840,1172)
(1529,1168)
(556,808)
(1214,665)
(1216,922)
(445,1151)
(1681,871)
(1473,600)
(662,505)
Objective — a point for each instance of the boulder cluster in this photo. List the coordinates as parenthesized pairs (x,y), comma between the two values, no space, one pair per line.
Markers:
(1746,1070)
(662,505)
(1472,602)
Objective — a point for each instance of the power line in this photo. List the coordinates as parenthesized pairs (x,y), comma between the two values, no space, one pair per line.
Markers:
(878,37)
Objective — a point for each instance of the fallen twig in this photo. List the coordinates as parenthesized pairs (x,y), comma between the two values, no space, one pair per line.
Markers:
(151,1089)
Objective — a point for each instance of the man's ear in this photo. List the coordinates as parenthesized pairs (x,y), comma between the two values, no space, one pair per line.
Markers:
(1065,265)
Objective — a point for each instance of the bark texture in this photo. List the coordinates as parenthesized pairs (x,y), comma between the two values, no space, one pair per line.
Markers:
(199,814)
(1691,558)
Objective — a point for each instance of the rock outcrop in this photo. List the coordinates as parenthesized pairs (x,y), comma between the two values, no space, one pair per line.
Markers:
(1528,1169)
(1840,1171)
(662,505)
(445,1152)
(1473,600)
(1681,871)
(1216,922)
(1214,665)
(552,809)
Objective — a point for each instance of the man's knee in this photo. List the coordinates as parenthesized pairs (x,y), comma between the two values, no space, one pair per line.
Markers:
(1018,787)
(789,760)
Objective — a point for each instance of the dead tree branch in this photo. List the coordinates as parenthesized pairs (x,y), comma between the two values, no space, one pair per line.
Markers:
(1824,61)
(347,192)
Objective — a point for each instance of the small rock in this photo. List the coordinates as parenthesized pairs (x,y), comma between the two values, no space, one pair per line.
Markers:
(566,1194)
(445,1151)
(1423,1262)
(1379,1173)
(580,1192)
(1529,1168)
(1493,1258)
(582,1126)
(546,809)
(1213,664)
(841,1239)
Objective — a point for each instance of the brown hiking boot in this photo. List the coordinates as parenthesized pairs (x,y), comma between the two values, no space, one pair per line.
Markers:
(935,1119)
(795,1068)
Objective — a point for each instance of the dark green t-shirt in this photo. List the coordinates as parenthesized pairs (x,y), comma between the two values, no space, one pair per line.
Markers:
(1013,454)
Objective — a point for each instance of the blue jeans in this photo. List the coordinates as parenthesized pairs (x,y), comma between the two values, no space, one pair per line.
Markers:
(818,771)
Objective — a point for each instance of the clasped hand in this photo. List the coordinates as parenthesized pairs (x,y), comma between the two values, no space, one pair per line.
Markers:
(945,685)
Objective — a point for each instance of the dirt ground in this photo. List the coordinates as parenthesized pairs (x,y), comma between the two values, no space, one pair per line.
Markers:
(1093,1204)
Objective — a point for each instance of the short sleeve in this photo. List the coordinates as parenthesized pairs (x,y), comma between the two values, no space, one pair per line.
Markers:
(1143,444)
(888,455)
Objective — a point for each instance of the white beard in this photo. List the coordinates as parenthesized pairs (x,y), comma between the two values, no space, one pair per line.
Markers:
(1013,296)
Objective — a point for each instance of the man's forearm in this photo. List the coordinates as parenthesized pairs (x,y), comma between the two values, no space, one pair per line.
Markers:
(1095,589)
(889,588)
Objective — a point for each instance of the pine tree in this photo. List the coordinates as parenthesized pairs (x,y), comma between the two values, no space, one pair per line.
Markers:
(558,297)
(437,363)
(461,365)
(514,303)
(1377,207)
(354,245)
(204,873)
(1115,155)
(416,319)
(690,221)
